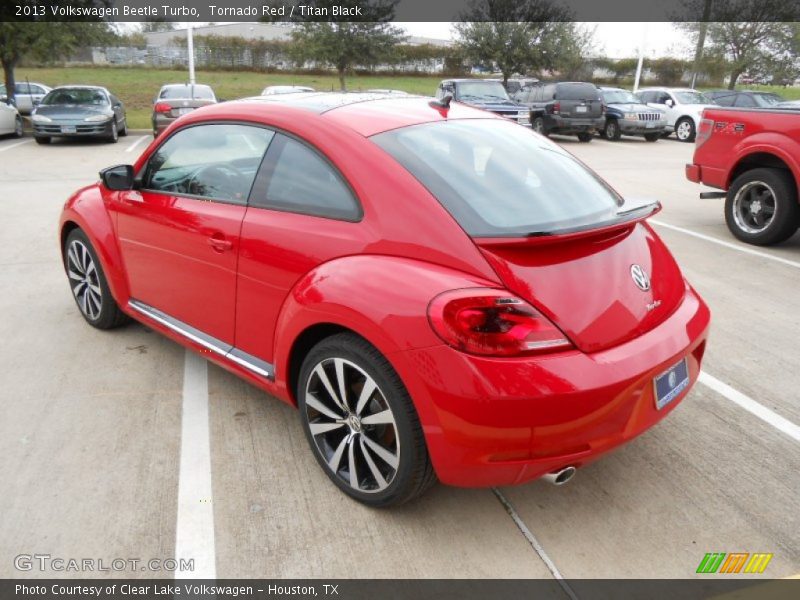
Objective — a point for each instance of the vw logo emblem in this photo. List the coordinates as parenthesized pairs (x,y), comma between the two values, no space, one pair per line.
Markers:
(672,379)
(640,277)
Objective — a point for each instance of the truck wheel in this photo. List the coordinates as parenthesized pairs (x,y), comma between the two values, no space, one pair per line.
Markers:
(762,206)
(652,137)
(584,137)
(538,125)
(684,129)
(612,132)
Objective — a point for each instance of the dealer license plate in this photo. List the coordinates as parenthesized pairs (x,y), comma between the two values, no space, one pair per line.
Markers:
(671,383)
(184,111)
(580,109)
(68,129)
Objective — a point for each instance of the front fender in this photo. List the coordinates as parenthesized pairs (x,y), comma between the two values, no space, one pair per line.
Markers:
(384,299)
(87,210)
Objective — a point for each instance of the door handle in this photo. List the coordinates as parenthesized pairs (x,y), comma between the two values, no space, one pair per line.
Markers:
(220,244)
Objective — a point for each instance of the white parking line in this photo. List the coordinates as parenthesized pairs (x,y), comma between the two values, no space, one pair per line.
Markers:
(534,543)
(10,146)
(737,247)
(134,144)
(194,534)
(755,408)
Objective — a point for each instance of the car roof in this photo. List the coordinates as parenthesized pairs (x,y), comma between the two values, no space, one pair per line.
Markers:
(169,85)
(365,113)
(81,87)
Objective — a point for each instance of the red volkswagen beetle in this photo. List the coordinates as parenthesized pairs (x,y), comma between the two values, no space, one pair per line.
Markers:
(442,293)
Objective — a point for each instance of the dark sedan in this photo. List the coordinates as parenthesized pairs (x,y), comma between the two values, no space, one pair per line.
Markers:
(79,111)
(176,99)
(744,98)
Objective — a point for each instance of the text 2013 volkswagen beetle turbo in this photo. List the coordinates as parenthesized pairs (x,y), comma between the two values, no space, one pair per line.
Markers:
(441,292)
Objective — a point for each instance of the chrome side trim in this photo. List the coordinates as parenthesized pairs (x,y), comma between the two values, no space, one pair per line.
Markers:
(248,361)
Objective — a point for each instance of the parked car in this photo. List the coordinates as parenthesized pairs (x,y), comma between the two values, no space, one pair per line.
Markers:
(683,107)
(176,99)
(286,89)
(568,108)
(515,84)
(754,157)
(626,115)
(79,111)
(10,120)
(744,99)
(487,94)
(405,274)
(26,95)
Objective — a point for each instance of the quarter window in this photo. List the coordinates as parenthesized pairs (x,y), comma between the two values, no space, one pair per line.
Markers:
(217,161)
(298,179)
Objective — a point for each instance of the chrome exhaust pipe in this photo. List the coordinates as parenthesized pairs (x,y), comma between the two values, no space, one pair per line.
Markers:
(561,476)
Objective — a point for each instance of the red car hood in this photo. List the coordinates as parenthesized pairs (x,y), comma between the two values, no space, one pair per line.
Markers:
(584,283)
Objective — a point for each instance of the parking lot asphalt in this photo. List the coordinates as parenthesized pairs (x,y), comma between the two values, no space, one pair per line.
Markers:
(91,431)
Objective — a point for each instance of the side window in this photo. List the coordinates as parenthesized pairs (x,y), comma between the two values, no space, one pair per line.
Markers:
(298,179)
(548,93)
(645,97)
(216,161)
(440,92)
(21,88)
(726,100)
(744,101)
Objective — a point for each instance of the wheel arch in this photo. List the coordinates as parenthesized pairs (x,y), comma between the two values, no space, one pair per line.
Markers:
(758,160)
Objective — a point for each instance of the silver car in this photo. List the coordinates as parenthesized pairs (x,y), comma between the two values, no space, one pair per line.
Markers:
(10,121)
(26,95)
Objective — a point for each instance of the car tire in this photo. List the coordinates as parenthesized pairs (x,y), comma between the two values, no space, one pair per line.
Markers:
(653,137)
(43,140)
(762,208)
(113,137)
(585,137)
(538,125)
(381,463)
(612,132)
(684,130)
(19,127)
(88,283)
(124,131)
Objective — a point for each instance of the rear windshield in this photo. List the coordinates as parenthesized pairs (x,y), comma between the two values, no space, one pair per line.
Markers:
(76,96)
(577,91)
(692,98)
(499,179)
(185,92)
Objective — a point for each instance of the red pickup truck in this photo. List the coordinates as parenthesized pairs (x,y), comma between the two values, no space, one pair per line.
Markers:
(754,155)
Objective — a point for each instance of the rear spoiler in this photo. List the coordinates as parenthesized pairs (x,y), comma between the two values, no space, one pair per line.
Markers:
(627,218)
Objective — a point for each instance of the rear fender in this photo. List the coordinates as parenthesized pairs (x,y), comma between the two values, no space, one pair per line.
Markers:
(384,299)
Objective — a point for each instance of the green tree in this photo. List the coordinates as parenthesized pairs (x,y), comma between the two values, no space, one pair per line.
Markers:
(749,34)
(365,41)
(44,41)
(514,36)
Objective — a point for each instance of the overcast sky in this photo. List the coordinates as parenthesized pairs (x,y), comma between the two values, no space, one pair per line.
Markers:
(615,40)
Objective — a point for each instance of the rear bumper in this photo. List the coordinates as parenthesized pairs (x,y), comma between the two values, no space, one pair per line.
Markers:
(560,124)
(716,178)
(507,421)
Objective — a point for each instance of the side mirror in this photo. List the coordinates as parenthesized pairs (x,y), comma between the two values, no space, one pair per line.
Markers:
(669,102)
(118,178)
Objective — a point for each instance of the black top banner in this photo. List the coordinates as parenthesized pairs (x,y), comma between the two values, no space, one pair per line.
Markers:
(403,10)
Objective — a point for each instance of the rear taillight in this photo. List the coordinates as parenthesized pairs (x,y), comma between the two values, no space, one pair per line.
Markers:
(162,107)
(556,108)
(704,132)
(493,323)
